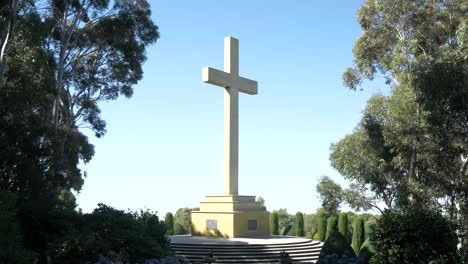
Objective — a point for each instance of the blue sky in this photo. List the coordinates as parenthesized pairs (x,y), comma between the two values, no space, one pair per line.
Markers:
(164,146)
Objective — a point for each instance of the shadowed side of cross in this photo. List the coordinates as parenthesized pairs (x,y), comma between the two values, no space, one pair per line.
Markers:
(233,84)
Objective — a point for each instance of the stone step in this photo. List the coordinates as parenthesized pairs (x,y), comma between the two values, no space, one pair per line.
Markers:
(206,245)
(235,251)
(299,255)
(227,253)
(273,259)
(255,254)
(310,247)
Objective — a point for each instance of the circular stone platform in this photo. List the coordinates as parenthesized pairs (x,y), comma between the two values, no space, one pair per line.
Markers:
(246,250)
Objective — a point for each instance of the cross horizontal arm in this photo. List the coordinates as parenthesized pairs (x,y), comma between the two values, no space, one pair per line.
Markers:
(224,79)
(247,86)
(216,77)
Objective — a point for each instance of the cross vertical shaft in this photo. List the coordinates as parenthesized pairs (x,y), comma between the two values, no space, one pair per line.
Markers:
(231,119)
(232,83)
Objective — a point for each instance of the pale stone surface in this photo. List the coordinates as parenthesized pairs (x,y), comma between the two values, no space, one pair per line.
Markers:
(267,240)
(233,84)
(231,212)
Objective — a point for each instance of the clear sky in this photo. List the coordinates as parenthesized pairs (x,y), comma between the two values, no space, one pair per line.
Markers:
(164,146)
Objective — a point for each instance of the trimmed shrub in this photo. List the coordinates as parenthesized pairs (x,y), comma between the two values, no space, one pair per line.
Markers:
(299,224)
(332,226)
(369,226)
(291,231)
(274,224)
(322,226)
(183,216)
(287,229)
(414,235)
(337,248)
(343,225)
(315,236)
(367,251)
(179,229)
(358,234)
(169,223)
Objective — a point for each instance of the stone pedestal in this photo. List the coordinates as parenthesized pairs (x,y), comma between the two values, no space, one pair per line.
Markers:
(230,216)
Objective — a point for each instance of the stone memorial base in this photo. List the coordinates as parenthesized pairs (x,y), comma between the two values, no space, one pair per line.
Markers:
(230,216)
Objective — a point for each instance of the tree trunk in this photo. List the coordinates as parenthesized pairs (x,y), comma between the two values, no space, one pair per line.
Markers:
(6,38)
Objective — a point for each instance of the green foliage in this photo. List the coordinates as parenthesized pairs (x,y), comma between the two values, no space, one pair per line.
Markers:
(274,227)
(332,226)
(367,251)
(393,41)
(179,229)
(310,225)
(315,236)
(358,234)
(169,223)
(284,220)
(288,230)
(65,57)
(260,200)
(299,224)
(183,221)
(414,235)
(129,236)
(343,224)
(410,148)
(11,247)
(336,244)
(330,194)
(322,225)
(369,226)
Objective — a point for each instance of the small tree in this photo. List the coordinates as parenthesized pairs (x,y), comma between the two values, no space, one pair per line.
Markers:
(358,234)
(322,225)
(299,224)
(332,225)
(260,200)
(343,224)
(274,225)
(183,218)
(330,194)
(169,222)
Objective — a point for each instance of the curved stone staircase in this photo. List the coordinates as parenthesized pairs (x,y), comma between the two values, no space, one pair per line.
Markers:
(300,251)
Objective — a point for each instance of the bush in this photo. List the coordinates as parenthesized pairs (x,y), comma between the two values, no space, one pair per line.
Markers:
(316,236)
(414,235)
(336,248)
(291,230)
(322,225)
(369,226)
(358,234)
(345,258)
(183,217)
(179,229)
(367,251)
(169,223)
(274,224)
(343,225)
(287,230)
(11,247)
(127,236)
(332,226)
(299,225)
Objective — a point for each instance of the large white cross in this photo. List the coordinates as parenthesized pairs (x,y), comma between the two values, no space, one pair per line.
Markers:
(233,83)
